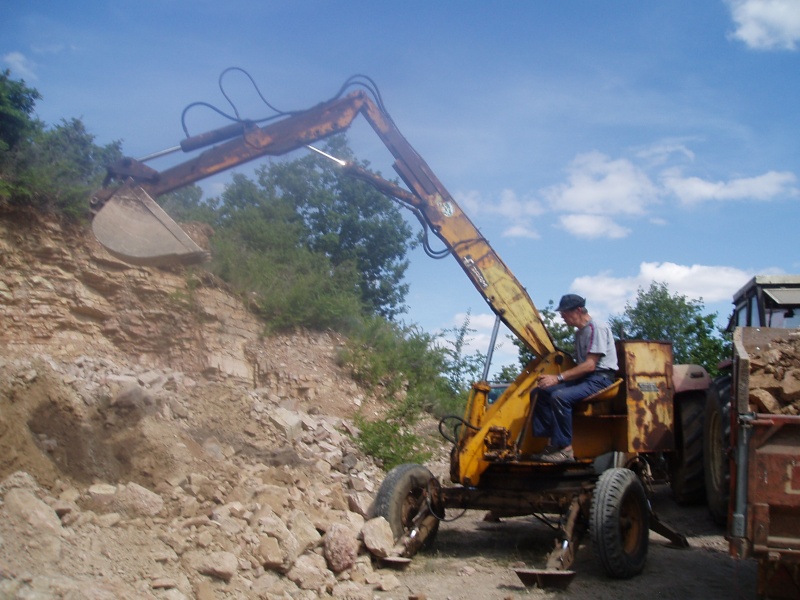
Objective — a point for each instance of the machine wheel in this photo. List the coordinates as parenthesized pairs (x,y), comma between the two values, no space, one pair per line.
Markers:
(717,440)
(620,523)
(686,478)
(401,497)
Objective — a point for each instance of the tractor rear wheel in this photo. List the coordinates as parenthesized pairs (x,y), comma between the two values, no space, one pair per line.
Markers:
(717,444)
(620,523)
(686,477)
(402,496)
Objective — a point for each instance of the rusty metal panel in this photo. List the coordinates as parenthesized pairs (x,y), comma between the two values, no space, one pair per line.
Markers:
(647,369)
(774,482)
(593,436)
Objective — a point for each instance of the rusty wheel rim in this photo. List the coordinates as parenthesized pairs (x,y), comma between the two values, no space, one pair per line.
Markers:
(631,524)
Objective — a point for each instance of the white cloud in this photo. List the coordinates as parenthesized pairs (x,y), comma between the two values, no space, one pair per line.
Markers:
(604,293)
(661,152)
(478,322)
(712,284)
(20,65)
(522,230)
(767,24)
(769,186)
(470,202)
(599,187)
(508,205)
(593,227)
(602,186)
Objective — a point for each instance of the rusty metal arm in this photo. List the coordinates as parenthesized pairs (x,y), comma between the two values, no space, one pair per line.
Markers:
(502,291)
(250,142)
(505,295)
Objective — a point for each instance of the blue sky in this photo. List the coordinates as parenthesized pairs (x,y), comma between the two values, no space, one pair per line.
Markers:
(599,146)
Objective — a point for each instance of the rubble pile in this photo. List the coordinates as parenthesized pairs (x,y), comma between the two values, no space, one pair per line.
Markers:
(149,484)
(775,376)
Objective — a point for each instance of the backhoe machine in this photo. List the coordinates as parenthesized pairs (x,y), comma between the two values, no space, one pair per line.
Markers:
(640,431)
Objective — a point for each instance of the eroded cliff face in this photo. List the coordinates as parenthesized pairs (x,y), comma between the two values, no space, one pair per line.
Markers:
(63,295)
(61,292)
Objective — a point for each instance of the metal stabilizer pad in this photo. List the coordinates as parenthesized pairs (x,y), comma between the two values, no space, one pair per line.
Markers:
(545,578)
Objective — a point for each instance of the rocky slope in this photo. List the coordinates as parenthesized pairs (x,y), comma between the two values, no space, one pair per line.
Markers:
(153,444)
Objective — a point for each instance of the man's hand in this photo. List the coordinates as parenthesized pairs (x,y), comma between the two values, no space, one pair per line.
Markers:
(548,380)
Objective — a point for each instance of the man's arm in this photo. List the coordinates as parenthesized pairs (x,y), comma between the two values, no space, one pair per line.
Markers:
(581,370)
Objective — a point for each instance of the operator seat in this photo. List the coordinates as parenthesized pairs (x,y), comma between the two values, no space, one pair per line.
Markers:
(599,403)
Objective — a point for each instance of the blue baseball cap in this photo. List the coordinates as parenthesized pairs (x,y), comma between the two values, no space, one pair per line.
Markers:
(571,302)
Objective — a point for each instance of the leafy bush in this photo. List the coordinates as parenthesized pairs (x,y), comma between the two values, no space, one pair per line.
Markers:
(288,289)
(392,358)
(404,366)
(390,443)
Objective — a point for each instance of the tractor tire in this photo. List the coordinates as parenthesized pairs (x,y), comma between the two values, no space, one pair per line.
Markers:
(717,439)
(401,497)
(619,523)
(686,477)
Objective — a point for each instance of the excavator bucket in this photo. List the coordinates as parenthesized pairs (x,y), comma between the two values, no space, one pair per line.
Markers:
(132,227)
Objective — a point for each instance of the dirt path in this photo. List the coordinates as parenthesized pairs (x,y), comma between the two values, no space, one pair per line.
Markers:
(474,559)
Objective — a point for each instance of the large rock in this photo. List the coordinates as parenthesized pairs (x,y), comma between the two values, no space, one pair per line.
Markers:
(378,537)
(220,565)
(340,547)
(310,572)
(304,531)
(133,499)
(39,527)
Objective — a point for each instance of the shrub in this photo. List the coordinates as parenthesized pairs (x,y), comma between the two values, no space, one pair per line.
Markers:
(390,443)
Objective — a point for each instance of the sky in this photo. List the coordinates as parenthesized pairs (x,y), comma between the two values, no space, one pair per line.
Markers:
(598,146)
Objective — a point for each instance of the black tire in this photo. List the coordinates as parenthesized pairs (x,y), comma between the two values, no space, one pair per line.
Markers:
(717,439)
(402,495)
(620,523)
(686,478)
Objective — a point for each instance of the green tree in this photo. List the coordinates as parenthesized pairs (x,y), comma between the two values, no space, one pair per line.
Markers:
(349,222)
(17,102)
(659,315)
(48,168)
(187,204)
(17,126)
(66,166)
(259,248)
